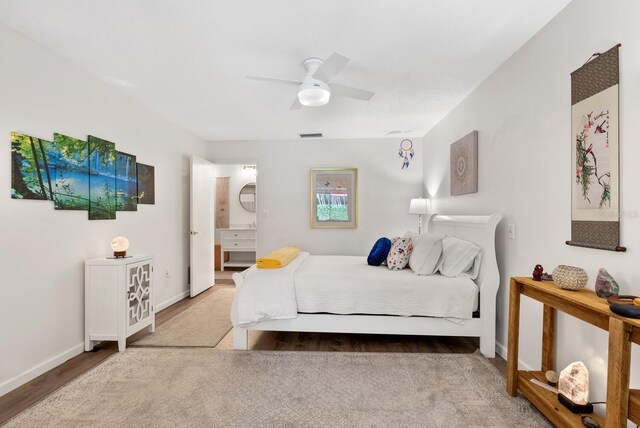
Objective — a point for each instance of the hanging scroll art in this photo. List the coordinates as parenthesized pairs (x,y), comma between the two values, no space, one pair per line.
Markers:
(595,191)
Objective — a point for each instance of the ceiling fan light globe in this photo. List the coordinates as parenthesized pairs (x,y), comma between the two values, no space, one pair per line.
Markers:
(314,97)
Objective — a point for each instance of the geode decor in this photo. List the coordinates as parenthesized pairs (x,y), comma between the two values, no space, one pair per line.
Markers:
(605,284)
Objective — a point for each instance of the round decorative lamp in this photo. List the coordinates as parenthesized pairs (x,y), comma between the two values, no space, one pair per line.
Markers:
(119,245)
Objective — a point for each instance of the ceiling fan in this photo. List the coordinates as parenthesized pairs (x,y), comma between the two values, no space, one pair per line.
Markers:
(315,89)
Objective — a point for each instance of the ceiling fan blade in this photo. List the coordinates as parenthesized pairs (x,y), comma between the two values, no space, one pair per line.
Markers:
(269,79)
(349,92)
(296,105)
(330,67)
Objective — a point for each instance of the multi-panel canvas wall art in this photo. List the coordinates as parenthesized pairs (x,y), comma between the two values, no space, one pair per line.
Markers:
(126,182)
(78,175)
(31,167)
(146,186)
(102,179)
(71,171)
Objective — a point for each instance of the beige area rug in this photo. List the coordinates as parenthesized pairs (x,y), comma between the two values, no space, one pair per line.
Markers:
(203,324)
(200,387)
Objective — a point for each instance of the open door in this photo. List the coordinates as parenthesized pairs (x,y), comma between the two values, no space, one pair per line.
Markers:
(201,242)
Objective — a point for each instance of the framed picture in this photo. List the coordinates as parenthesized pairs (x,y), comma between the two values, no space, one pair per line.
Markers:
(334,198)
(463,161)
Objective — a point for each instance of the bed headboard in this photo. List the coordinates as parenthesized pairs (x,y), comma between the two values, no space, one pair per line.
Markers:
(479,229)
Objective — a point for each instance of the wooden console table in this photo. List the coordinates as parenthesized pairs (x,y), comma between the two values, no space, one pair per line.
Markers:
(622,403)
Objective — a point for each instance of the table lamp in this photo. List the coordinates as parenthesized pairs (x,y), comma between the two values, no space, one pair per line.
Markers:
(419,206)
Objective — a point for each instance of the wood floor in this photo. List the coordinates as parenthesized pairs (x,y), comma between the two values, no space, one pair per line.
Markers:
(32,392)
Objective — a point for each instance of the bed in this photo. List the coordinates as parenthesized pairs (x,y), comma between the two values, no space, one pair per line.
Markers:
(342,294)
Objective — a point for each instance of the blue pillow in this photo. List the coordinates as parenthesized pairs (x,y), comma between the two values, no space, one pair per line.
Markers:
(379,252)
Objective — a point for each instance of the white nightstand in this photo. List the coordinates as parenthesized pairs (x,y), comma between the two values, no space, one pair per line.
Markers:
(118,296)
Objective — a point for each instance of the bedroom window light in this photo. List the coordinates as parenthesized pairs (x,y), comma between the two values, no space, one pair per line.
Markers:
(419,206)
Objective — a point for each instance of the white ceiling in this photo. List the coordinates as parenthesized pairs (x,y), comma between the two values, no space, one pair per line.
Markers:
(187,59)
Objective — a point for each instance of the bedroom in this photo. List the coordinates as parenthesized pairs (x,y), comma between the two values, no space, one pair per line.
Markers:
(517,97)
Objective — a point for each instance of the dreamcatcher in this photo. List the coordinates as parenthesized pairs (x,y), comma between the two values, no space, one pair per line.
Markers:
(406,152)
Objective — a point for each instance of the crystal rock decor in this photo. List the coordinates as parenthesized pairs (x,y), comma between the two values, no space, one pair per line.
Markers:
(574,383)
(605,284)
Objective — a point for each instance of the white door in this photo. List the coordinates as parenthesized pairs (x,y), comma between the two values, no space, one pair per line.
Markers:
(202,225)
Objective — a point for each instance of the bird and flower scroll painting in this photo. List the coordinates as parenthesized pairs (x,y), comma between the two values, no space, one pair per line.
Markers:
(595,213)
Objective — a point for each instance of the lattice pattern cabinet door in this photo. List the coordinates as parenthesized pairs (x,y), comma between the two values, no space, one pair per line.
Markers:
(118,299)
(138,294)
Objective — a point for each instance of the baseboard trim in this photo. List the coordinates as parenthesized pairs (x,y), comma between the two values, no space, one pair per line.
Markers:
(171,301)
(502,351)
(39,369)
(51,363)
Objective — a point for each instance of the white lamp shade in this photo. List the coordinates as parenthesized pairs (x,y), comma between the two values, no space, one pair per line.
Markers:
(314,97)
(419,206)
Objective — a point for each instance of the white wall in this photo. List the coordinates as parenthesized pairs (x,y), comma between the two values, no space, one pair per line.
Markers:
(41,263)
(522,113)
(384,191)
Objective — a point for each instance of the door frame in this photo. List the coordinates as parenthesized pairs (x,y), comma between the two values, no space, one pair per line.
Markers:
(241,161)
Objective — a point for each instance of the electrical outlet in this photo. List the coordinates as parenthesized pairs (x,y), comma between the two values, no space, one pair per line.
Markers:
(511,231)
(265,213)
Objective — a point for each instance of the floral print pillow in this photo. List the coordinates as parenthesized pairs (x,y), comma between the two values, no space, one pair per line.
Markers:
(399,253)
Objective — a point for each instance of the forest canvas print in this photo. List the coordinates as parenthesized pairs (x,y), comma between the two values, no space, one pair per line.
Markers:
(71,172)
(126,182)
(102,179)
(75,174)
(31,167)
(146,184)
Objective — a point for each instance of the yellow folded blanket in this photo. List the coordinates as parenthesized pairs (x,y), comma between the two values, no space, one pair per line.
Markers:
(278,258)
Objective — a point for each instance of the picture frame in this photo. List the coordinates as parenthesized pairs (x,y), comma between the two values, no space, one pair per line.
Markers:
(463,165)
(334,198)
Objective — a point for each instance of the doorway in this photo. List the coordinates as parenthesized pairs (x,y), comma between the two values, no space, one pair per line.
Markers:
(235,241)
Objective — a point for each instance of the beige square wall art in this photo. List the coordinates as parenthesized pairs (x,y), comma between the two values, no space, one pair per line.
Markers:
(464,165)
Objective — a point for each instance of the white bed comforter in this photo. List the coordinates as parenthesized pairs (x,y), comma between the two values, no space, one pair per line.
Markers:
(265,294)
(347,285)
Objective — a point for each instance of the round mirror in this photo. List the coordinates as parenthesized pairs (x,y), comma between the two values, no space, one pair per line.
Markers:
(248,197)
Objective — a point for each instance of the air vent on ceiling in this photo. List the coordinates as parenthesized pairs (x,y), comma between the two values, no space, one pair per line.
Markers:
(316,135)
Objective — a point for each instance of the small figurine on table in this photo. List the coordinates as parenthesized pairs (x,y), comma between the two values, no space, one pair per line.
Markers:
(537,273)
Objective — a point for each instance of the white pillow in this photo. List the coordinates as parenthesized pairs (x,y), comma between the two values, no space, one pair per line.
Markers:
(425,257)
(475,268)
(399,253)
(459,257)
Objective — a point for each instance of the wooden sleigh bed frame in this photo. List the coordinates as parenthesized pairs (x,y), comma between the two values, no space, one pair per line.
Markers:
(477,229)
